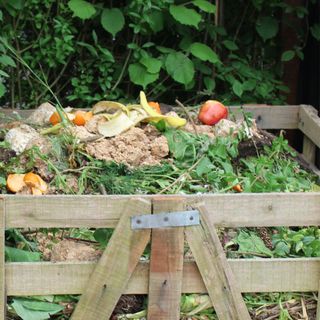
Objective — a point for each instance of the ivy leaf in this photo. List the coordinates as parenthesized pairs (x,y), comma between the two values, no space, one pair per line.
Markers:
(209,83)
(7,61)
(1,16)
(112,20)
(82,9)
(153,65)
(287,55)
(315,31)
(204,53)
(267,27)
(180,67)
(4,74)
(185,16)
(156,21)
(205,166)
(230,45)
(2,90)
(237,88)
(139,75)
(205,6)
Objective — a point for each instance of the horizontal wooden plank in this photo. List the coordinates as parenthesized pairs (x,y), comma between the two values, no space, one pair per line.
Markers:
(229,210)
(267,117)
(253,275)
(270,117)
(309,124)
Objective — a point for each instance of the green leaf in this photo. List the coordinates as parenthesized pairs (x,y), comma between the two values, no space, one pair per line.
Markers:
(230,45)
(237,88)
(7,61)
(250,242)
(112,20)
(281,249)
(180,67)
(209,83)
(82,9)
(287,55)
(205,6)
(267,27)
(204,53)
(35,310)
(2,90)
(165,49)
(315,31)
(18,255)
(204,166)
(156,21)
(103,236)
(1,15)
(185,16)
(153,65)
(139,75)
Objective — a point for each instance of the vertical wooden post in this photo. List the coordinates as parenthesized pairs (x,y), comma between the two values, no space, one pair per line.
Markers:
(318,304)
(215,271)
(166,265)
(309,150)
(3,298)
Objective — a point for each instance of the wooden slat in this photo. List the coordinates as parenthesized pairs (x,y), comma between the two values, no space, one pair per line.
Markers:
(3,297)
(300,275)
(309,149)
(216,273)
(271,117)
(166,264)
(309,124)
(114,268)
(229,210)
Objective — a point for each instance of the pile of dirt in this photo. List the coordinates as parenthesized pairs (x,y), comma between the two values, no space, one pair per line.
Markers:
(135,147)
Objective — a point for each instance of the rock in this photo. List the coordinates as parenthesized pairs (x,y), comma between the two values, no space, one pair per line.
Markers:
(226,127)
(24,137)
(41,115)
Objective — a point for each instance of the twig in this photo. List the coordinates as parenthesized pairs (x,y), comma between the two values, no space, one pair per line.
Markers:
(188,115)
(182,176)
(251,253)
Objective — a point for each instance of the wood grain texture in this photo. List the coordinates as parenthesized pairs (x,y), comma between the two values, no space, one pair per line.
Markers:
(113,270)
(216,273)
(300,275)
(166,265)
(3,298)
(227,210)
(309,124)
(309,149)
(318,305)
(270,117)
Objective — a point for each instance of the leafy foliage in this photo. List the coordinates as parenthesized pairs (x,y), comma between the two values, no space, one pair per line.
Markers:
(91,51)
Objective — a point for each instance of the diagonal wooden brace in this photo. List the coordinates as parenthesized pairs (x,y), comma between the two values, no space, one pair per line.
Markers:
(115,267)
(215,270)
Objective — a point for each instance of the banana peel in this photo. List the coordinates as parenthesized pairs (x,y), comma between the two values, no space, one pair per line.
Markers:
(154,116)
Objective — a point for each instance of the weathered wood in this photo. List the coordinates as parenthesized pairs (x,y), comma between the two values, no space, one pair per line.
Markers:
(227,210)
(309,149)
(166,264)
(318,305)
(216,273)
(309,124)
(3,298)
(270,117)
(293,275)
(267,117)
(112,272)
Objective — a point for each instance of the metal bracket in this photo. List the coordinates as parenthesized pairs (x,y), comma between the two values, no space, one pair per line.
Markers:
(166,220)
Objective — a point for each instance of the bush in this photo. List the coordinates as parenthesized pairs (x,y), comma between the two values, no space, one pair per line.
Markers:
(89,51)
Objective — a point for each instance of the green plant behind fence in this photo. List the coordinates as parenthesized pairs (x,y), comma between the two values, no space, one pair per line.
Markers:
(89,51)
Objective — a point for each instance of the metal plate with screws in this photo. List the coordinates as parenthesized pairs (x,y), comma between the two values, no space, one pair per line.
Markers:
(166,220)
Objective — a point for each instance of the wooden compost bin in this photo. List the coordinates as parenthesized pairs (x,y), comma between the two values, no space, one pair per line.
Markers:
(120,271)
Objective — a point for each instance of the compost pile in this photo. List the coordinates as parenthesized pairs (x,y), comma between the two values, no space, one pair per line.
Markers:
(141,149)
(135,149)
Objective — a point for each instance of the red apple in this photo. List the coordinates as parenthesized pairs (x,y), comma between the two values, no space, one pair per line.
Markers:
(211,112)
